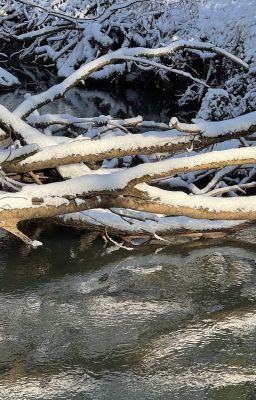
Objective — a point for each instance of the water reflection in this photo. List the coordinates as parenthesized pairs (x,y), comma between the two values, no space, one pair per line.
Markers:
(80,323)
(118,102)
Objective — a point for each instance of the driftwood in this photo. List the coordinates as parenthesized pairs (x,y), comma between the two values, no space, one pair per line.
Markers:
(136,180)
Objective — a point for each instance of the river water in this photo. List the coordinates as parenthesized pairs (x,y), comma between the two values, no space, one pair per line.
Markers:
(89,321)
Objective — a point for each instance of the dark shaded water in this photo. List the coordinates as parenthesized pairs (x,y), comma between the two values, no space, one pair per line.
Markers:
(80,322)
(92,322)
(120,103)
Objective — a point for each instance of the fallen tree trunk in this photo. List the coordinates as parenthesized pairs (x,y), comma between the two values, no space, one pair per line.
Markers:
(97,150)
(133,224)
(124,189)
(128,188)
(59,198)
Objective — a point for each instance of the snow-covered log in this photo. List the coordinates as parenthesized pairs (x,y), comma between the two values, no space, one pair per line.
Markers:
(84,150)
(179,203)
(124,186)
(115,183)
(90,151)
(134,224)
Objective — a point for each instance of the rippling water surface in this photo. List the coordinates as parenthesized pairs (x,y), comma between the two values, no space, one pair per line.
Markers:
(81,322)
(95,322)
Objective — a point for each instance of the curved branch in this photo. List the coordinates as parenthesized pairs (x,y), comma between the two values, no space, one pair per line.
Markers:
(192,129)
(34,102)
(164,67)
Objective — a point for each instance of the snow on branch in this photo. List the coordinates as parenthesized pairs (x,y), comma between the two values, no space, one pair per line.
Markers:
(115,183)
(102,17)
(246,122)
(243,123)
(34,102)
(129,189)
(119,221)
(125,180)
(45,120)
(179,203)
(164,67)
(7,79)
(83,150)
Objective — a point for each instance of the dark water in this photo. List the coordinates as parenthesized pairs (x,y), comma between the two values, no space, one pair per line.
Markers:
(93,322)
(120,103)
